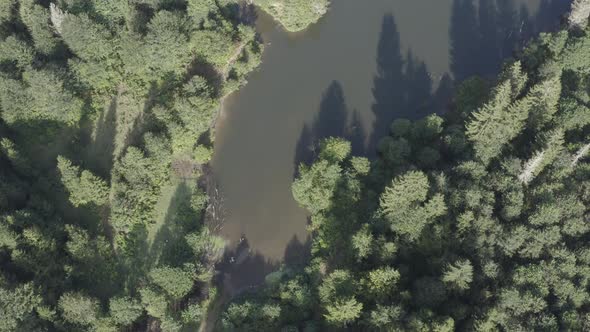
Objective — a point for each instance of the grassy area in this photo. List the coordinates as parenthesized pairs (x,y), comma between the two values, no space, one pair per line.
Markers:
(165,238)
(295,15)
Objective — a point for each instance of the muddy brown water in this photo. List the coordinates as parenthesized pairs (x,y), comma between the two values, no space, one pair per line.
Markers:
(364,64)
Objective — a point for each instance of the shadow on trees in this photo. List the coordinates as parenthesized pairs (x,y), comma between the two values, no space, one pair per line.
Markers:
(169,246)
(483,34)
(99,152)
(241,12)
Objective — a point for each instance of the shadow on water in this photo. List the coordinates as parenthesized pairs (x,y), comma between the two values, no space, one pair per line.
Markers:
(417,89)
(388,84)
(356,134)
(332,120)
(297,253)
(333,114)
(444,93)
(244,269)
(402,88)
(484,34)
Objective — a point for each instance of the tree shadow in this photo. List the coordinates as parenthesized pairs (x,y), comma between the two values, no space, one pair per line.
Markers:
(304,149)
(244,269)
(402,88)
(443,96)
(240,12)
(463,40)
(356,134)
(332,120)
(99,152)
(297,253)
(551,14)
(169,246)
(418,88)
(133,265)
(388,84)
(483,33)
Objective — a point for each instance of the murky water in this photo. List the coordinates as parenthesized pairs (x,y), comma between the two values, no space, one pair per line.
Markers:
(364,64)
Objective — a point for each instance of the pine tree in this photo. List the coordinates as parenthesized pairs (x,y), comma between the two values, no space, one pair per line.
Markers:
(542,158)
(459,275)
(83,186)
(17,306)
(87,39)
(6,10)
(124,310)
(37,20)
(15,50)
(316,185)
(79,309)
(501,119)
(176,282)
(405,205)
(343,312)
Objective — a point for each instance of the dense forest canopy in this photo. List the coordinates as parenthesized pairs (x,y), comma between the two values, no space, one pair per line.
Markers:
(477,219)
(106,109)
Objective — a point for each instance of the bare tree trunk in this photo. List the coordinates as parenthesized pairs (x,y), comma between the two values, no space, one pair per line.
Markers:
(580,154)
(530,168)
(57,17)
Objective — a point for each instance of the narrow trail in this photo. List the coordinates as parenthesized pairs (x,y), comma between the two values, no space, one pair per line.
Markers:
(216,307)
(233,58)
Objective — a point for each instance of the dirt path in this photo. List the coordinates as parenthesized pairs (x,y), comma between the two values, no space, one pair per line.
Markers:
(232,59)
(216,306)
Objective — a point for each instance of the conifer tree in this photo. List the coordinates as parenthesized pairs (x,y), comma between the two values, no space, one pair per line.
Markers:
(83,186)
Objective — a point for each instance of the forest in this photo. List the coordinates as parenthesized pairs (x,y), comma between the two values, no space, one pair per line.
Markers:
(475,219)
(106,116)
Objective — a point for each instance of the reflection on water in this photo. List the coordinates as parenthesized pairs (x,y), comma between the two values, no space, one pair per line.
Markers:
(361,66)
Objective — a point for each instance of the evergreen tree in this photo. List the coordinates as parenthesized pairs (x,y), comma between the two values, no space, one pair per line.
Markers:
(124,310)
(83,186)
(79,309)
(37,20)
(405,205)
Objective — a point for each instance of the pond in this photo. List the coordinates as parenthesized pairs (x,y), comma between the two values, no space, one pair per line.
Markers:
(364,64)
